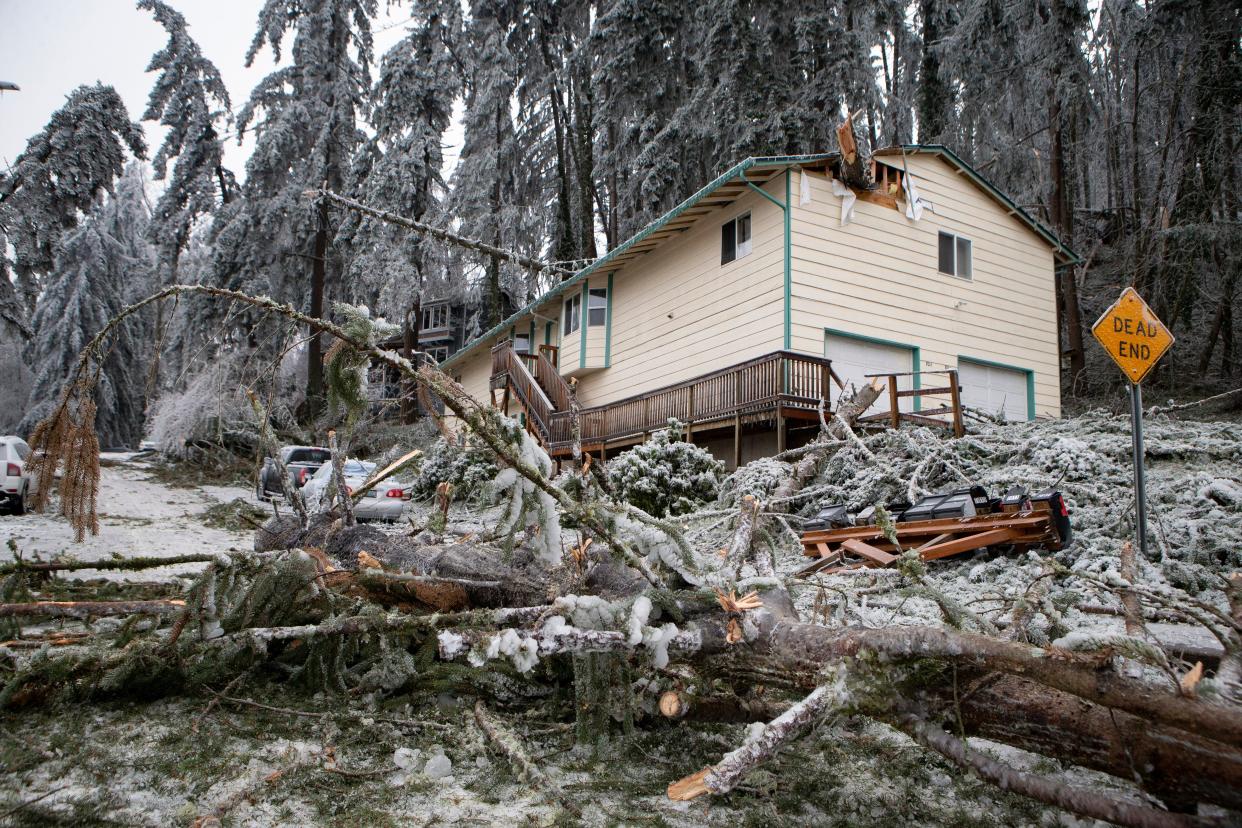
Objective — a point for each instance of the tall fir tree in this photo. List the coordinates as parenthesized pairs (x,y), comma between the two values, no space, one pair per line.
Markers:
(305,119)
(100,266)
(190,99)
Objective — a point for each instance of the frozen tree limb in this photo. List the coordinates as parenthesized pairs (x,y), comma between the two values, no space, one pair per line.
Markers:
(436,233)
(724,776)
(91,609)
(1077,800)
(507,743)
(125,564)
(343,495)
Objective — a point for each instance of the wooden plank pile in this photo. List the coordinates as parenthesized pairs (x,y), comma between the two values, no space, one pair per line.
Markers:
(1039,522)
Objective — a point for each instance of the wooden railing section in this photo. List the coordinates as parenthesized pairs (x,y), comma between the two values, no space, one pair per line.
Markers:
(782,382)
(929,417)
(507,369)
(549,379)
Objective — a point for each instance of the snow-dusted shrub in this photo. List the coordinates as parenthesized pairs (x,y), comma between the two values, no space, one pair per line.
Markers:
(665,475)
(468,468)
(759,478)
(212,404)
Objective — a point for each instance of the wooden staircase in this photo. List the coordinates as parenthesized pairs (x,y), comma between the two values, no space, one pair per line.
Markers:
(539,388)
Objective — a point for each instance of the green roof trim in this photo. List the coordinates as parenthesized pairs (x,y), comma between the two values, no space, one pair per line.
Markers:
(724,178)
(956,160)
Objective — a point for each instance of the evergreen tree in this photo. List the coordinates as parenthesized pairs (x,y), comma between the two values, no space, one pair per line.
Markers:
(189,97)
(399,169)
(61,172)
(100,266)
(487,196)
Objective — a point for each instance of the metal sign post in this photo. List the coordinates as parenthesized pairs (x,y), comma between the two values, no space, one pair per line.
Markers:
(1136,339)
(1140,477)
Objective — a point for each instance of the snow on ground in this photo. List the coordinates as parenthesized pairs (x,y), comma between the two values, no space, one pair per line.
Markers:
(138,515)
(165,762)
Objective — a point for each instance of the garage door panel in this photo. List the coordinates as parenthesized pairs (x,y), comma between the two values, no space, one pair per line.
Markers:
(994,389)
(852,359)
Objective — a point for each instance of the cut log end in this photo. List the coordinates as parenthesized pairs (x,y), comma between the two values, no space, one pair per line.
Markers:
(673,705)
(692,787)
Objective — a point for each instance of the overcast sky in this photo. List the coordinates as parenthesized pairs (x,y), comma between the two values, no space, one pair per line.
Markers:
(49,47)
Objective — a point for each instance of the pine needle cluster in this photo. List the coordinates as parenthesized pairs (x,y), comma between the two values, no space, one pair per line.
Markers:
(67,439)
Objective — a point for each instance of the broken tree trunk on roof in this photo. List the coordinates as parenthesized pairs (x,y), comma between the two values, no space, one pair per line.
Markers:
(855,168)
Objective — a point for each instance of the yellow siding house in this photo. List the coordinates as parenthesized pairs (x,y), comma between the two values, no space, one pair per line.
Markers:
(776,289)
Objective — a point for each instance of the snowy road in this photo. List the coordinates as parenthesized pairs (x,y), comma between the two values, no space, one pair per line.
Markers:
(138,515)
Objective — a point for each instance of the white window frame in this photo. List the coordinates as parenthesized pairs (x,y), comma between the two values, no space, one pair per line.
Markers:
(743,245)
(958,241)
(597,295)
(572,319)
(439,353)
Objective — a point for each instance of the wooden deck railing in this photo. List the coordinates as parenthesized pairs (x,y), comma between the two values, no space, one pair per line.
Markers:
(895,416)
(777,382)
(549,379)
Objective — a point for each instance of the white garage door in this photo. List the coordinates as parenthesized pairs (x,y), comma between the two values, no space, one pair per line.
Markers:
(994,389)
(852,359)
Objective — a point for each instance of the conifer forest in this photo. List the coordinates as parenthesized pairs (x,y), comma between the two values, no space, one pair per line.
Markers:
(627,412)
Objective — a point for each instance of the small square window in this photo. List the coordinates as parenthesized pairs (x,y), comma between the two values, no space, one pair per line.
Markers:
(597,307)
(954,255)
(573,314)
(521,343)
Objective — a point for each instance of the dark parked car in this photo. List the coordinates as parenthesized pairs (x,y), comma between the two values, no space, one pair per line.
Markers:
(302,463)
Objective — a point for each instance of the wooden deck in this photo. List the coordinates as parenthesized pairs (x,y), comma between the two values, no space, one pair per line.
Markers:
(780,386)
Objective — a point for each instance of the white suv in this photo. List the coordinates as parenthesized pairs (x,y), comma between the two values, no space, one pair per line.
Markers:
(15,483)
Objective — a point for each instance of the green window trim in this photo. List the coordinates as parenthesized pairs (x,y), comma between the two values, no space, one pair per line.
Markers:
(547,332)
(1030,378)
(916,354)
(608,326)
(582,329)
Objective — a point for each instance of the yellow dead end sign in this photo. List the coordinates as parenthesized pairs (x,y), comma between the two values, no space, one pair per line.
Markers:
(1132,335)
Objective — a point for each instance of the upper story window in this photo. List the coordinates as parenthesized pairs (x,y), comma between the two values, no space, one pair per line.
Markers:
(597,307)
(573,314)
(955,255)
(735,238)
(435,317)
(439,353)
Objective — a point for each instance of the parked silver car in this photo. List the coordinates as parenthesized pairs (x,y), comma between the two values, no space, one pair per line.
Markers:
(16,485)
(386,501)
(301,461)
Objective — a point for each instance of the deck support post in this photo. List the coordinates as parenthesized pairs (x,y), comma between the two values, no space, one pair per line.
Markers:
(955,392)
(737,440)
(690,417)
(894,403)
(780,431)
